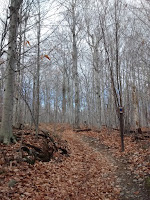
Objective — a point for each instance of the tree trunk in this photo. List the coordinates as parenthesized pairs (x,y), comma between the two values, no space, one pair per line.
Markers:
(75,70)
(37,105)
(97,86)
(6,135)
(18,106)
(64,97)
(135,108)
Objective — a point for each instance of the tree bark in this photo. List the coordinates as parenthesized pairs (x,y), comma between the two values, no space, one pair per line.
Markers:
(64,97)
(6,135)
(75,70)
(37,105)
(135,108)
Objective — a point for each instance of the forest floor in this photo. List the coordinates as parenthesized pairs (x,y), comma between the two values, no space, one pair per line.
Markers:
(94,168)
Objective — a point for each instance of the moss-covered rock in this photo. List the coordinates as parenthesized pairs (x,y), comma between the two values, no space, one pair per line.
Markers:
(147,183)
(12,183)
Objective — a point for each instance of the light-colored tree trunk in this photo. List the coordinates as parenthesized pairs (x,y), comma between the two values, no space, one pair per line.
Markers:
(56,100)
(37,105)
(2,71)
(6,134)
(97,87)
(33,99)
(64,96)
(135,108)
(94,41)
(17,106)
(25,107)
(75,69)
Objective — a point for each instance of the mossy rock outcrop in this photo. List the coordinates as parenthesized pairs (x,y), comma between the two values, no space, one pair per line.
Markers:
(147,184)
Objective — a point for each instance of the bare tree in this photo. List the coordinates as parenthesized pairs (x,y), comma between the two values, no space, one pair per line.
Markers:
(6,134)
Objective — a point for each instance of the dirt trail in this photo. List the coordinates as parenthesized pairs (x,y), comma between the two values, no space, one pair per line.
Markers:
(131,188)
(95,174)
(98,172)
(92,176)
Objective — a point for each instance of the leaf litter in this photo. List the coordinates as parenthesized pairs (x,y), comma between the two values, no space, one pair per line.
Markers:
(86,174)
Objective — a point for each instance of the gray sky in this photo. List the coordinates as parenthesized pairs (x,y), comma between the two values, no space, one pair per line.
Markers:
(3,8)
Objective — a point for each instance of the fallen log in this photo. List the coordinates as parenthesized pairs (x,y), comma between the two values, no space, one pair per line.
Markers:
(63,151)
(97,131)
(147,136)
(82,130)
(44,131)
(47,144)
(44,154)
(33,147)
(116,129)
(143,137)
(146,132)
(18,126)
(138,138)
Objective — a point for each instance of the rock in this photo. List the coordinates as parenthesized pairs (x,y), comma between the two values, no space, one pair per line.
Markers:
(122,193)
(12,183)
(105,175)
(135,180)
(140,180)
(147,183)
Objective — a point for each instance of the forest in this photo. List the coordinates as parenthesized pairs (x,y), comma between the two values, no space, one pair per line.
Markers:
(75,99)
